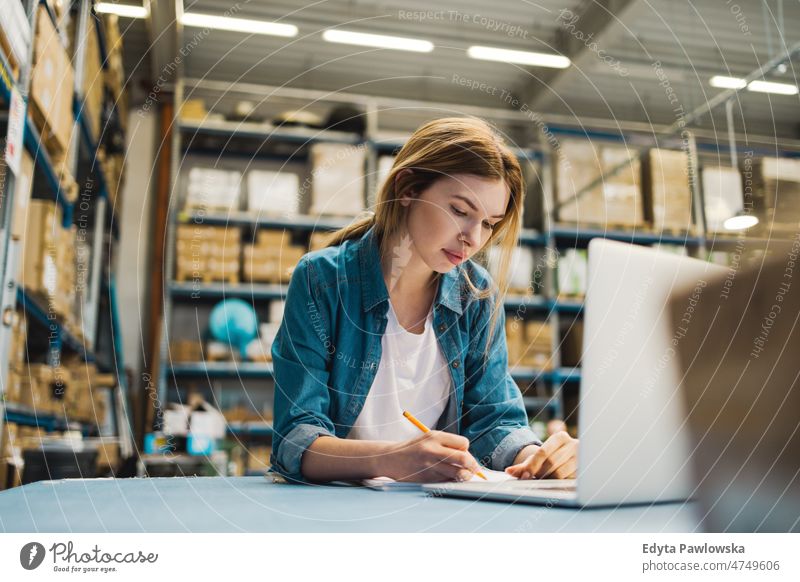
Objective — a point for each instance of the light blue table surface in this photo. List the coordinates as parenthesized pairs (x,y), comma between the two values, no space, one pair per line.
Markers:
(253,504)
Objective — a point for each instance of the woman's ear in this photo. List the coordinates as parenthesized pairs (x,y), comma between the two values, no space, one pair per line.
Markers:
(405,199)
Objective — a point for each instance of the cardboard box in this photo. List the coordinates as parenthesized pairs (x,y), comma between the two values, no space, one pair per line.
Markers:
(8,439)
(43,388)
(107,453)
(273,193)
(270,265)
(668,195)
(18,343)
(337,179)
(38,269)
(319,240)
(52,85)
(272,238)
(538,351)
(185,351)
(208,253)
(515,341)
(599,185)
(193,109)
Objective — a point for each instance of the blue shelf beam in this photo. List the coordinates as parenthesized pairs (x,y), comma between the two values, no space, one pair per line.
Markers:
(571,236)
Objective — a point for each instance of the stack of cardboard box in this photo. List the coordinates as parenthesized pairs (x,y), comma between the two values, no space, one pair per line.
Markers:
(208,253)
(51,93)
(529,344)
(668,194)
(272,259)
(598,185)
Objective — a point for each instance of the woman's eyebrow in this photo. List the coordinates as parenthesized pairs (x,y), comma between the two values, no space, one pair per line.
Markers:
(472,205)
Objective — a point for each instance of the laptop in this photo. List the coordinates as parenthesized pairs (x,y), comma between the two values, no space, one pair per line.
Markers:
(633,447)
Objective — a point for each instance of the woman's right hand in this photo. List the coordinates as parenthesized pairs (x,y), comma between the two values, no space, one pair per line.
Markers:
(432,457)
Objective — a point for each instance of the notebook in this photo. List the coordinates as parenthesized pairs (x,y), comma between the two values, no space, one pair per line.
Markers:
(388,484)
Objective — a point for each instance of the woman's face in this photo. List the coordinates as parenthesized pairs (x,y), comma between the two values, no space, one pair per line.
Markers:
(453,218)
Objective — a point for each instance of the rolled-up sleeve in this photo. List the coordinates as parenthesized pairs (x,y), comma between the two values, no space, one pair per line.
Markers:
(494,418)
(301,356)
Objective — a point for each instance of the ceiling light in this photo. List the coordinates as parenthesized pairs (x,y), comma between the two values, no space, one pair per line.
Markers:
(238,24)
(377,40)
(769,87)
(740,222)
(126,10)
(727,82)
(488,53)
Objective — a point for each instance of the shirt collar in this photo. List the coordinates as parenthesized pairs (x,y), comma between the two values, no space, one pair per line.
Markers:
(373,287)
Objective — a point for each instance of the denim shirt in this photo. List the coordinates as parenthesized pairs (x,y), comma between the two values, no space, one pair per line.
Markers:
(328,347)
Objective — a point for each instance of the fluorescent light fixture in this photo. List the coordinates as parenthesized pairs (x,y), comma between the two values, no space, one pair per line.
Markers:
(488,53)
(238,24)
(126,10)
(377,40)
(770,87)
(727,82)
(740,222)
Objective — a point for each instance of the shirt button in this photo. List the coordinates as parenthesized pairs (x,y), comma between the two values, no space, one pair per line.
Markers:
(455,364)
(442,327)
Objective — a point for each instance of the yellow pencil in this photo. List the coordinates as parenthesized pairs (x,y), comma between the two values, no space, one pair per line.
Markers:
(424,428)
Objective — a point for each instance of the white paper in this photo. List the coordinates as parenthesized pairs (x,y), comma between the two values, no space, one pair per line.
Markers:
(388,484)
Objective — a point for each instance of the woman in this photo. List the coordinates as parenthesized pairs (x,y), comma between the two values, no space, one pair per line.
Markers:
(393,315)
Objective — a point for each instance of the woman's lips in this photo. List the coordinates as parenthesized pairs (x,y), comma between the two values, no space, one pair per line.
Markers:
(455,259)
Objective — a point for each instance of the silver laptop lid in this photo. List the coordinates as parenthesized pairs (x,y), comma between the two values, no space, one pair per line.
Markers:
(632,430)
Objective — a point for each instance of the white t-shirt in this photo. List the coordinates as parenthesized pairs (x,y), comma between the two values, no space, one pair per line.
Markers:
(412,375)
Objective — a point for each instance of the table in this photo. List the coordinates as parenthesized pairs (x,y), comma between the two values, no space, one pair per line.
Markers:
(254,504)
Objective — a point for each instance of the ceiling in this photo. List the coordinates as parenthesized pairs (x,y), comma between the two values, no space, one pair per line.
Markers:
(689,40)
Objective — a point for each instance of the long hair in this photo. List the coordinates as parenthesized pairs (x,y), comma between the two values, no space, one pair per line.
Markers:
(440,148)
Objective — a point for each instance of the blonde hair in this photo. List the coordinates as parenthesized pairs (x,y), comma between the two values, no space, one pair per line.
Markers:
(440,148)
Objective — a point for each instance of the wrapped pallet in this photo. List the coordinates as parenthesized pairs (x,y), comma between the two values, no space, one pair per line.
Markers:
(722,195)
(668,194)
(598,185)
(337,179)
(273,193)
(213,189)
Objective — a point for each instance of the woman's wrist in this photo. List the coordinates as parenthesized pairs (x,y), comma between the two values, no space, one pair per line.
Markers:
(525,453)
(381,460)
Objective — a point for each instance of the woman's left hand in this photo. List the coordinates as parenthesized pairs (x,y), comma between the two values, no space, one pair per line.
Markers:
(557,458)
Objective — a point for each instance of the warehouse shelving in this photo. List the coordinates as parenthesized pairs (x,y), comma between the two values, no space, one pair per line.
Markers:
(549,235)
(102,289)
